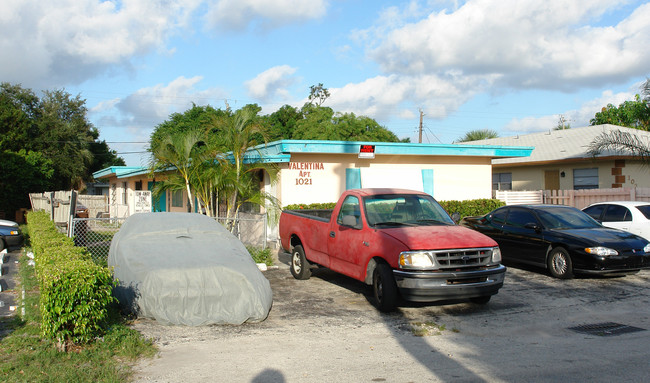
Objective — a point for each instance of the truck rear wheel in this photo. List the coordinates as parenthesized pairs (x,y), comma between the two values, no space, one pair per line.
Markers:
(384,288)
(300,267)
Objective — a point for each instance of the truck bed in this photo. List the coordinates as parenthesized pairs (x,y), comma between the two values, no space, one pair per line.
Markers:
(318,214)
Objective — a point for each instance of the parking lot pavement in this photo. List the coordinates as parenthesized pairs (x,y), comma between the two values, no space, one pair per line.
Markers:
(9,264)
(536,329)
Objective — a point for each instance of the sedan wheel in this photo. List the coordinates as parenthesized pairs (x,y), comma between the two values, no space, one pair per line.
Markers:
(559,263)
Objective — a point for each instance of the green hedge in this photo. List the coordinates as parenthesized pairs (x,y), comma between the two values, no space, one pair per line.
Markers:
(298,206)
(465,208)
(472,207)
(75,293)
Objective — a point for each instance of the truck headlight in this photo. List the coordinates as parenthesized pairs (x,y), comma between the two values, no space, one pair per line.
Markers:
(601,251)
(419,260)
(496,255)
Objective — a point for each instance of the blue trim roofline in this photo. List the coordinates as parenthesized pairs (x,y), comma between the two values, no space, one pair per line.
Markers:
(120,171)
(283,148)
(280,151)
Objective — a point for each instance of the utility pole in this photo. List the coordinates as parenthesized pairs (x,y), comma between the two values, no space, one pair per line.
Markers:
(420,130)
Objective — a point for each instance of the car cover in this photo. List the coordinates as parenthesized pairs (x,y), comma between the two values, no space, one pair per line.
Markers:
(186,269)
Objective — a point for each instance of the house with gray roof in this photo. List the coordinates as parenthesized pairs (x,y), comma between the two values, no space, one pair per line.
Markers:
(561,160)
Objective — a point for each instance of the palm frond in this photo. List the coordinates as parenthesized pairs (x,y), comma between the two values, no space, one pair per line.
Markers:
(621,142)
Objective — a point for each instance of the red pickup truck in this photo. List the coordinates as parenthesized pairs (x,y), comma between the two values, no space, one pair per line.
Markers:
(402,242)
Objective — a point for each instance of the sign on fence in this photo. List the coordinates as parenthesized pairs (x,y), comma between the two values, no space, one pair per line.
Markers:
(142,201)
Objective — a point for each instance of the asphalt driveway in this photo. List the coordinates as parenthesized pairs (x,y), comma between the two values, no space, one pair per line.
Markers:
(326,329)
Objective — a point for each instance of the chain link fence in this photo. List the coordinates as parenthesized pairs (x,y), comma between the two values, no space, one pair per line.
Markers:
(95,234)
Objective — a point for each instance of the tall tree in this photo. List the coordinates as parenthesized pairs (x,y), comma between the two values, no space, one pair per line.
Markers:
(322,123)
(282,122)
(52,129)
(19,113)
(195,118)
(23,172)
(65,135)
(478,134)
(318,94)
(632,114)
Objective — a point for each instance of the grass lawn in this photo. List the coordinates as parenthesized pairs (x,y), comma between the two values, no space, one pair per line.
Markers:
(26,357)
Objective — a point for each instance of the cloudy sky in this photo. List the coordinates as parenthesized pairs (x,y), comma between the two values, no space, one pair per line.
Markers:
(514,66)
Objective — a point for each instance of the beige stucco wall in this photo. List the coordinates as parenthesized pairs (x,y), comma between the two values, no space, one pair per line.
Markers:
(532,177)
(455,178)
(636,175)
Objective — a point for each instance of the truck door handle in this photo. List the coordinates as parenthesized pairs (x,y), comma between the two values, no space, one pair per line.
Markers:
(332,234)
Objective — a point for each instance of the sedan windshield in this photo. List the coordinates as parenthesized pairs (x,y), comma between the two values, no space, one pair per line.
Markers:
(404,209)
(565,218)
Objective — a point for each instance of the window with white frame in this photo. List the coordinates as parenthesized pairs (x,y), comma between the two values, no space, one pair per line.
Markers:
(585,178)
(501,181)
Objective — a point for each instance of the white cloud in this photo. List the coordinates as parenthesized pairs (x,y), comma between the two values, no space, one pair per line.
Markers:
(142,110)
(272,83)
(383,97)
(532,44)
(158,102)
(576,118)
(55,43)
(239,14)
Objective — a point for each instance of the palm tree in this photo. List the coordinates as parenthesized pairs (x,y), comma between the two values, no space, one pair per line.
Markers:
(239,133)
(182,151)
(478,134)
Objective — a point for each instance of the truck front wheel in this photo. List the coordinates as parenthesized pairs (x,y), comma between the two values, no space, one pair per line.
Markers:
(300,267)
(384,288)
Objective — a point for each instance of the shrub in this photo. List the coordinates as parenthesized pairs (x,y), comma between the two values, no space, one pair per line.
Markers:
(75,292)
(261,255)
(472,207)
(319,206)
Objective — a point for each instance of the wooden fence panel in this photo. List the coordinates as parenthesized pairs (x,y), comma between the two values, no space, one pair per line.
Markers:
(583,198)
(576,198)
(97,204)
(519,197)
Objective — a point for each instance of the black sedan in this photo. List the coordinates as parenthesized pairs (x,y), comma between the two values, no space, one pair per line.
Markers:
(10,235)
(562,239)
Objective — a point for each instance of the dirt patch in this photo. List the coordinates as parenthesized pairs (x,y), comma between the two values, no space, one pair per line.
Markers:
(326,328)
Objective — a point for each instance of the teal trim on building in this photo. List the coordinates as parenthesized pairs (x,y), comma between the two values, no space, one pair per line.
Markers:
(427,181)
(282,148)
(280,152)
(352,178)
(120,171)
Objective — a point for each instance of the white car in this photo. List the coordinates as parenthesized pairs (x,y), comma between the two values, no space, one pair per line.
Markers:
(632,216)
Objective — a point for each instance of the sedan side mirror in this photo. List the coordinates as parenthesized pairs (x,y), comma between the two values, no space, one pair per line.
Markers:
(455,217)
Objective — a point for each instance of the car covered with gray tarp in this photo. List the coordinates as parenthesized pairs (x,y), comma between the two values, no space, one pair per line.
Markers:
(185,268)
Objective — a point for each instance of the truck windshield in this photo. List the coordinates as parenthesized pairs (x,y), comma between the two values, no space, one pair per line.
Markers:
(404,209)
